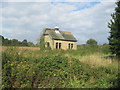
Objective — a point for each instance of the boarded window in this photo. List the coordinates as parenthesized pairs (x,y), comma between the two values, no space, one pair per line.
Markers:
(48,44)
(59,45)
(56,45)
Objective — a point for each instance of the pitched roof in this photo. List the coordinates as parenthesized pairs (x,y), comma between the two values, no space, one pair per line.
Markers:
(60,35)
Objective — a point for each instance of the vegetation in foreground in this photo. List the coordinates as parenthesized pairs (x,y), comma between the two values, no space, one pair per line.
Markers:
(87,67)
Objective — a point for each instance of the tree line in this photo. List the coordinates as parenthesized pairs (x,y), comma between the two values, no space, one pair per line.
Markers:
(15,42)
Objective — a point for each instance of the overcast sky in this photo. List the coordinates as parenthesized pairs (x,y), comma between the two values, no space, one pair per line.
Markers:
(25,20)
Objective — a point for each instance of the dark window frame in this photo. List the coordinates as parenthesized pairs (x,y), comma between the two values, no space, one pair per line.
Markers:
(56,45)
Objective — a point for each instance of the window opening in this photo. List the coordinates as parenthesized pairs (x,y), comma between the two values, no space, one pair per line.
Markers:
(56,45)
(48,44)
(59,45)
(71,46)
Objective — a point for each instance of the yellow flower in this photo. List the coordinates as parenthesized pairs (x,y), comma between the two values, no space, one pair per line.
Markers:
(23,66)
(18,65)
(11,64)
(2,85)
(33,72)
(25,55)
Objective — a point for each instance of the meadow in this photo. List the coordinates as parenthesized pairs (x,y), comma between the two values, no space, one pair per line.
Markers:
(86,67)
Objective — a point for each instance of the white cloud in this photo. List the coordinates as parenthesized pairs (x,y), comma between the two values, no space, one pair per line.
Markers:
(26,20)
(59,0)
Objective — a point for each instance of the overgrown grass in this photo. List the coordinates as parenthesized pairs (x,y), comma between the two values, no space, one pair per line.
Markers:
(87,67)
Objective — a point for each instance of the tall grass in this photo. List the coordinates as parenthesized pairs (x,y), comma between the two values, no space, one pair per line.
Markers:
(99,61)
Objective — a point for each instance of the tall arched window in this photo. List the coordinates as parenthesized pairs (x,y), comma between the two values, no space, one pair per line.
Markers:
(59,45)
(69,45)
(56,45)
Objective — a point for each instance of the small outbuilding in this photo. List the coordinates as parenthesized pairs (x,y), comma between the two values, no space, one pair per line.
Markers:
(57,39)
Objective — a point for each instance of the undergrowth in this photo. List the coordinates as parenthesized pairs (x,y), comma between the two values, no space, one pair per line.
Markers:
(56,69)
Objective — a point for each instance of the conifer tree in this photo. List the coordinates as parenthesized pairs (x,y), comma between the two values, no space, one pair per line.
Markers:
(114,25)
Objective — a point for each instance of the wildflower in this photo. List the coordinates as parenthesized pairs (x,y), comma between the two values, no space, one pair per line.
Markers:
(25,55)
(18,65)
(33,72)
(54,74)
(23,66)
(11,64)
(2,85)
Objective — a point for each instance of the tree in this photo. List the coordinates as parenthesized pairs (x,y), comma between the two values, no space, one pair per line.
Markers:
(24,42)
(104,44)
(1,39)
(42,41)
(114,25)
(6,42)
(91,42)
(30,44)
(14,42)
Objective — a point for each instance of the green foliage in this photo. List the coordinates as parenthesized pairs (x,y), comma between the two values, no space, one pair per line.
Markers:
(15,42)
(42,43)
(84,50)
(91,42)
(53,69)
(24,42)
(114,25)
(30,44)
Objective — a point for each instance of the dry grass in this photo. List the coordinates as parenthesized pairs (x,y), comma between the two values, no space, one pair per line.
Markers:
(22,48)
(99,61)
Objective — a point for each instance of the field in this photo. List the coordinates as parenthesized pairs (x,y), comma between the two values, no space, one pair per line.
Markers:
(21,48)
(86,67)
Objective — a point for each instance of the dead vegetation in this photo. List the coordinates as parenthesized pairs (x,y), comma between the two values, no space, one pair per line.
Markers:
(21,48)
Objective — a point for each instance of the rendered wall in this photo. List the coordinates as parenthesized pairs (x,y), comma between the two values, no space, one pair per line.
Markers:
(65,44)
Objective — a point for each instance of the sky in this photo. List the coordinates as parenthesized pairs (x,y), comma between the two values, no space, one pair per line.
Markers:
(21,19)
